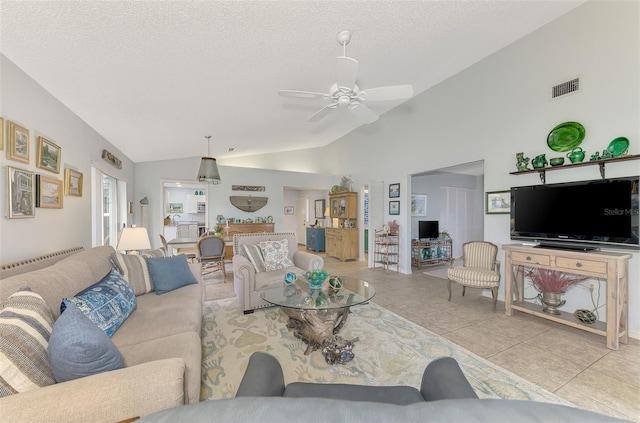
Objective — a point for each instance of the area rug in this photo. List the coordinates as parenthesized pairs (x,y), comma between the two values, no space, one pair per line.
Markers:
(390,351)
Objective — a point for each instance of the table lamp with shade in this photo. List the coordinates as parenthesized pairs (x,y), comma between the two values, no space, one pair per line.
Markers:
(327,213)
(133,239)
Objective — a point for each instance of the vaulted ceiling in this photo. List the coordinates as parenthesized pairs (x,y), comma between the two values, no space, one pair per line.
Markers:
(154,78)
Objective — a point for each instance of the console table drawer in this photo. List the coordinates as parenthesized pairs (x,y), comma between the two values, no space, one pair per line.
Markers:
(583,265)
(528,258)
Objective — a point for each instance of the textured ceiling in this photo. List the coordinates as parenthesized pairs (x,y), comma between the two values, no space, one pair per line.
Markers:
(166,74)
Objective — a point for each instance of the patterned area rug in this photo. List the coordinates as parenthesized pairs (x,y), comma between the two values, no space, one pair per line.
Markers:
(390,351)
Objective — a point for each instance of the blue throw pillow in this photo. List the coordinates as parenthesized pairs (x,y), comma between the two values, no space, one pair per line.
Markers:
(79,348)
(169,273)
(107,303)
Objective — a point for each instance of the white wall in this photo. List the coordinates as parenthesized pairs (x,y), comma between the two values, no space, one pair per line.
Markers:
(26,103)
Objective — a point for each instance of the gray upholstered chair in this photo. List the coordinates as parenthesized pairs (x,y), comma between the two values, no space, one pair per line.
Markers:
(480,269)
(210,250)
(442,379)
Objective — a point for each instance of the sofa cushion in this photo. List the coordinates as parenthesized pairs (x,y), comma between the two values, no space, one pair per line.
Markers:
(158,252)
(79,348)
(25,328)
(276,254)
(107,303)
(134,269)
(254,254)
(170,273)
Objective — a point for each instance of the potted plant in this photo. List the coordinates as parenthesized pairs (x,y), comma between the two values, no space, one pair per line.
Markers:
(552,284)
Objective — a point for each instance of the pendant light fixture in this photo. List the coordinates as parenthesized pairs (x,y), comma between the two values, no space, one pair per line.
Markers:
(208,167)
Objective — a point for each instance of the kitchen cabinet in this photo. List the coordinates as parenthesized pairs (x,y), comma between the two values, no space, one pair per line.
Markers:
(170,232)
(193,201)
(188,230)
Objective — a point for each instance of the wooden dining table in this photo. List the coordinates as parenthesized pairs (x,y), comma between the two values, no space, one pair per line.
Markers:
(176,243)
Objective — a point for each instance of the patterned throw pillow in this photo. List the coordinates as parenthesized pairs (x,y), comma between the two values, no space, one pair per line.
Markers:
(79,348)
(107,303)
(254,254)
(276,254)
(134,269)
(25,327)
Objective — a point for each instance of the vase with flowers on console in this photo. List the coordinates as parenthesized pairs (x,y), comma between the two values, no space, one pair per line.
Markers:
(552,284)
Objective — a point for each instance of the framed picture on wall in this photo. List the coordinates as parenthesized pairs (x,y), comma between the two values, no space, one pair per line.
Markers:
(17,143)
(72,182)
(498,202)
(48,192)
(319,209)
(394,190)
(48,157)
(418,205)
(394,207)
(288,209)
(21,192)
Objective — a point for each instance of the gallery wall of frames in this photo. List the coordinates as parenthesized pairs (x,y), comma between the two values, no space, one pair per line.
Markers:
(48,185)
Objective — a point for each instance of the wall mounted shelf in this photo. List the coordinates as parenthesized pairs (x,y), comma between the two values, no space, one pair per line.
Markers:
(600,163)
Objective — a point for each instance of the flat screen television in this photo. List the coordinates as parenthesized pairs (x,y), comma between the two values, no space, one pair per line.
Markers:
(581,215)
(428,229)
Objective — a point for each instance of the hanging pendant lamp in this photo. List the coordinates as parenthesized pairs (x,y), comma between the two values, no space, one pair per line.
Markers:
(208,167)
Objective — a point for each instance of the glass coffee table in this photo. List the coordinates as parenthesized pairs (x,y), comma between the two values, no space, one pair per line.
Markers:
(317,315)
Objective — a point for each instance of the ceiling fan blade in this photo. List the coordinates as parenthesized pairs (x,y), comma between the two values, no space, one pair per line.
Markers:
(393,92)
(302,94)
(346,72)
(322,112)
(364,113)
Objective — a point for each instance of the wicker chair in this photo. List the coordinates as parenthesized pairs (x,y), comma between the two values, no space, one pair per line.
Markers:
(480,269)
(210,250)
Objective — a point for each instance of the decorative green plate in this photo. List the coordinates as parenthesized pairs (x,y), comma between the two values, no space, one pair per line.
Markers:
(618,147)
(566,136)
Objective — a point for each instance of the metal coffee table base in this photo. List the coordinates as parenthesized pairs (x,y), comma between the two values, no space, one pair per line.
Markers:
(318,329)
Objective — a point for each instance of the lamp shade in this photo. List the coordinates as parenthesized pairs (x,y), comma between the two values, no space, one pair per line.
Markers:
(133,239)
(327,212)
(209,171)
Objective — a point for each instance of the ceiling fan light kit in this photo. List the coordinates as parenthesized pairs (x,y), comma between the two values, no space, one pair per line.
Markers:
(346,93)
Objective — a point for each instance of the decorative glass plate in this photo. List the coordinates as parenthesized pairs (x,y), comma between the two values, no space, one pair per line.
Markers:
(618,147)
(566,136)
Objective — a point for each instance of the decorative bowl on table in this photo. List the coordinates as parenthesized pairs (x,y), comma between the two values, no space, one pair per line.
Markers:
(315,278)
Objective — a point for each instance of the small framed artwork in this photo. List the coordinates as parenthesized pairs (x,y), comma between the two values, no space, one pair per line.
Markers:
(48,155)
(394,207)
(21,193)
(72,182)
(175,208)
(498,202)
(394,190)
(418,205)
(48,192)
(17,143)
(319,205)
(1,133)
(288,209)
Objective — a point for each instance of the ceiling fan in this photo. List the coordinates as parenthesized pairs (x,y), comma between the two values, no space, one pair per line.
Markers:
(346,93)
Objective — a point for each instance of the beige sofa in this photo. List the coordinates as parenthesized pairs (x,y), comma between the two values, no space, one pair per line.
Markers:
(247,281)
(159,342)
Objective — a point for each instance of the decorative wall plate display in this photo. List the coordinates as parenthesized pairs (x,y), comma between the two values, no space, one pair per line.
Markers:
(566,136)
(618,147)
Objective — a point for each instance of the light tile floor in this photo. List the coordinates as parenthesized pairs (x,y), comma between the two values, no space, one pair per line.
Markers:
(574,364)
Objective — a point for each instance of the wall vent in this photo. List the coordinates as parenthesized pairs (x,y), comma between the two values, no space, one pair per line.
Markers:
(569,87)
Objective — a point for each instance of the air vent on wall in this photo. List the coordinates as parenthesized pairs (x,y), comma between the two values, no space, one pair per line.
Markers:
(569,87)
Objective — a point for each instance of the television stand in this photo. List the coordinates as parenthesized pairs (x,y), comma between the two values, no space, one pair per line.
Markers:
(612,267)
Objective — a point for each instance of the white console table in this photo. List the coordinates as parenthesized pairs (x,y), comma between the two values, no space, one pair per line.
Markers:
(613,267)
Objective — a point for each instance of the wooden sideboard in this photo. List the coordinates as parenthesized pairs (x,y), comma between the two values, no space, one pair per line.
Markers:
(242,228)
(612,267)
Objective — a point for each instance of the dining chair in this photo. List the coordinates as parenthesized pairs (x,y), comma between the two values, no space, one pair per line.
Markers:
(210,250)
(479,269)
